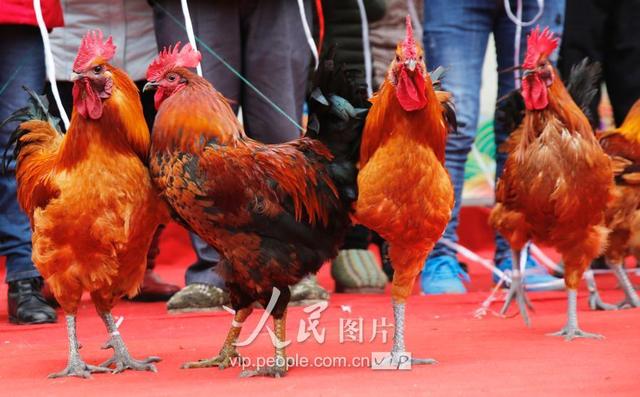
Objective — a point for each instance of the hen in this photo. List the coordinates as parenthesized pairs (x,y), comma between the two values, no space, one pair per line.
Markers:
(404,191)
(89,196)
(275,212)
(557,180)
(623,213)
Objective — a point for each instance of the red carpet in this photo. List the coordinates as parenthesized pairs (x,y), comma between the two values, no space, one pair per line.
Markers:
(491,356)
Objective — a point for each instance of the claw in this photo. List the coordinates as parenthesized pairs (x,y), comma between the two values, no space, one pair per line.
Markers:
(596,303)
(423,361)
(516,290)
(571,333)
(79,369)
(222,361)
(270,371)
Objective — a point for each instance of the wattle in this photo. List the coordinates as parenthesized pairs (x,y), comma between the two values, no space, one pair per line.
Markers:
(86,101)
(410,91)
(534,92)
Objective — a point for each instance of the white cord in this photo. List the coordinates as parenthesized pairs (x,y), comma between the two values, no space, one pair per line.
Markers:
(368,68)
(484,167)
(538,253)
(307,33)
(517,20)
(49,64)
(467,253)
(190,34)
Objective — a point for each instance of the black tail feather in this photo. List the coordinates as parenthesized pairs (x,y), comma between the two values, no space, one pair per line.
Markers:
(36,109)
(337,112)
(583,84)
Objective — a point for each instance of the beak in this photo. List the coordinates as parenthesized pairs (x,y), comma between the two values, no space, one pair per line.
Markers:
(75,76)
(410,64)
(511,69)
(150,86)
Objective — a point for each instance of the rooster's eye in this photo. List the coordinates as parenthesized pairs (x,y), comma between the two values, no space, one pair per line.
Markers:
(397,58)
(97,69)
(171,77)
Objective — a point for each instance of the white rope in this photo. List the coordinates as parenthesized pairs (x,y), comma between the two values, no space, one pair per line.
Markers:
(190,34)
(484,167)
(49,64)
(517,20)
(307,33)
(467,253)
(538,253)
(366,47)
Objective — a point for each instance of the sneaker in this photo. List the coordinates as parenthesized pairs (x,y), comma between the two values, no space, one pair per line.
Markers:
(357,271)
(443,275)
(197,297)
(534,274)
(307,292)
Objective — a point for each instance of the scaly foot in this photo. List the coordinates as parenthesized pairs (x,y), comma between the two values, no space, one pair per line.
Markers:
(517,291)
(223,360)
(423,361)
(570,333)
(79,368)
(275,371)
(122,360)
(628,303)
(596,303)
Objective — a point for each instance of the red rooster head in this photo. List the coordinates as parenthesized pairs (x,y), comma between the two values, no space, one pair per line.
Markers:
(408,71)
(538,73)
(162,74)
(91,76)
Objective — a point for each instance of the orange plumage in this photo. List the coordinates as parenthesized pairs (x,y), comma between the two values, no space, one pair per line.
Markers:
(556,181)
(275,212)
(89,196)
(404,191)
(623,212)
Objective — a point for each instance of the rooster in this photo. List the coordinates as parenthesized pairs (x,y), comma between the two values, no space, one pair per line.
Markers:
(404,191)
(89,196)
(557,180)
(623,213)
(275,212)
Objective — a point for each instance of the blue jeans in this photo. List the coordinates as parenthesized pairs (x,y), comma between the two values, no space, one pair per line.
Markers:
(455,36)
(21,63)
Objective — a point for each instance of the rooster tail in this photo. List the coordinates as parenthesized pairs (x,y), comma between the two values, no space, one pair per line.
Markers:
(583,84)
(36,109)
(337,112)
(337,109)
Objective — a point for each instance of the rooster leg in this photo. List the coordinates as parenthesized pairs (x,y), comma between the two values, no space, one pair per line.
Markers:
(595,302)
(75,366)
(279,367)
(121,358)
(571,330)
(516,291)
(228,352)
(398,338)
(631,299)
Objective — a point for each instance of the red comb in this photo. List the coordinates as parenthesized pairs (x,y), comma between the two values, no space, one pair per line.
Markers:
(409,43)
(172,58)
(539,44)
(93,47)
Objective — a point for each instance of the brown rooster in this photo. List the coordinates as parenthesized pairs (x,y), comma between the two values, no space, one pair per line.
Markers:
(623,213)
(404,191)
(91,202)
(275,212)
(557,180)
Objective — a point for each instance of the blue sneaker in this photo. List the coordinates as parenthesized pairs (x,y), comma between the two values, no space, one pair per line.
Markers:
(534,274)
(443,275)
